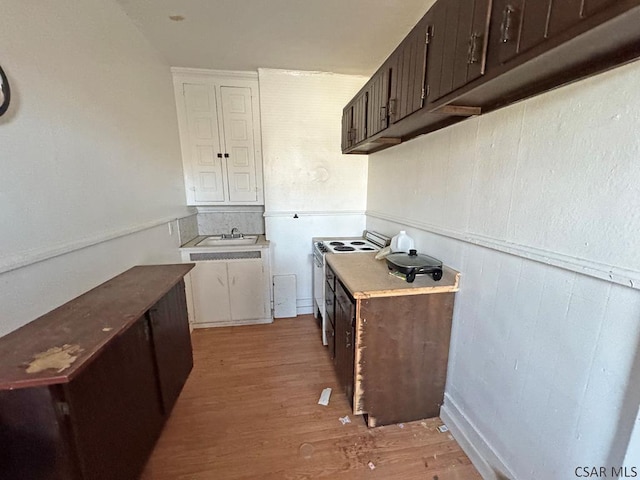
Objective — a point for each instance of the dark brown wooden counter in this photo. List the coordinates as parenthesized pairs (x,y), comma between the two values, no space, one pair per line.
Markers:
(86,388)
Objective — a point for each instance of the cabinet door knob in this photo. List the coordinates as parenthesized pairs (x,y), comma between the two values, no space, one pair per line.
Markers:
(226,155)
(219,155)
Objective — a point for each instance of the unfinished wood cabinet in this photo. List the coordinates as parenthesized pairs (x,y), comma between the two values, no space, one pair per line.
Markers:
(86,389)
(391,338)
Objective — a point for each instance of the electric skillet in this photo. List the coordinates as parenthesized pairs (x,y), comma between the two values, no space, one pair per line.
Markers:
(413,263)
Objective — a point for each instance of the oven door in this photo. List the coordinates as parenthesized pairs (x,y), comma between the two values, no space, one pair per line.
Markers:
(318,288)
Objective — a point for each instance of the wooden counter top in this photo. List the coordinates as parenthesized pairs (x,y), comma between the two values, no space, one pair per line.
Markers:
(57,346)
(366,277)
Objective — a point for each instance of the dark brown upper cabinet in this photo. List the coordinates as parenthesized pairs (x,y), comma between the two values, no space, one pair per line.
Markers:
(457,32)
(378,90)
(408,74)
(467,57)
(522,24)
(354,121)
(593,6)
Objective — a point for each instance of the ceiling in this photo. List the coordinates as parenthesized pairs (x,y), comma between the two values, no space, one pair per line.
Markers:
(341,36)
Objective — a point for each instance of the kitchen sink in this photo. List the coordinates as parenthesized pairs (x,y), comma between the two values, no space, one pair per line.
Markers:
(220,241)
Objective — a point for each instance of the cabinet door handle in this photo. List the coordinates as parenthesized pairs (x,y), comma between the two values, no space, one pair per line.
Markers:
(383,114)
(219,155)
(226,155)
(392,107)
(474,48)
(508,21)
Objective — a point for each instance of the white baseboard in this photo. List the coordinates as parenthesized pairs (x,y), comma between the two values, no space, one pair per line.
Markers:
(304,306)
(231,323)
(473,443)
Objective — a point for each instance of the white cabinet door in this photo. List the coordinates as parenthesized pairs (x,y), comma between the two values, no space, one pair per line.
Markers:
(204,143)
(246,290)
(239,151)
(210,290)
(219,122)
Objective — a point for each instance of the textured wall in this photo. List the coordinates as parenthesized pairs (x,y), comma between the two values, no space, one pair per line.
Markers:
(89,152)
(544,359)
(304,170)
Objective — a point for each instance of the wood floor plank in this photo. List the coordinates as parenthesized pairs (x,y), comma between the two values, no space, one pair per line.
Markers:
(249,411)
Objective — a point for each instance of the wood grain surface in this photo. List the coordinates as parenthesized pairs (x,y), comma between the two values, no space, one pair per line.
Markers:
(73,334)
(249,411)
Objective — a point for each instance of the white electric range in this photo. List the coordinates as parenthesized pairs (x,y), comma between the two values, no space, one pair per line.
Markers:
(369,242)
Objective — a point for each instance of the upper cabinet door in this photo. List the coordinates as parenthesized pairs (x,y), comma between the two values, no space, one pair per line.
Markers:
(563,14)
(519,25)
(239,151)
(457,36)
(360,117)
(203,143)
(592,6)
(504,36)
(354,121)
(408,66)
(378,100)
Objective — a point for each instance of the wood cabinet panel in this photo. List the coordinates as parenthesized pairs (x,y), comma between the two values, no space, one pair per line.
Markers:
(457,46)
(99,417)
(407,82)
(171,344)
(481,55)
(411,356)
(563,14)
(35,438)
(535,22)
(506,25)
(593,6)
(378,101)
(344,340)
(354,121)
(115,409)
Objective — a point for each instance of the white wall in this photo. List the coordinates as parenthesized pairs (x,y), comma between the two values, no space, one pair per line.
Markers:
(544,361)
(305,173)
(89,153)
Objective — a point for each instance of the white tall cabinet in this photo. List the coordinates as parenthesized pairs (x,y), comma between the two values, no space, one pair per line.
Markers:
(219,122)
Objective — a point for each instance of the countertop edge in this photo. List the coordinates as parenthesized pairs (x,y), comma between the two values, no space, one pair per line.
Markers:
(351,269)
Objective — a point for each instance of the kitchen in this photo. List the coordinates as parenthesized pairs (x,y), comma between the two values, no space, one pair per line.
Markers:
(531,203)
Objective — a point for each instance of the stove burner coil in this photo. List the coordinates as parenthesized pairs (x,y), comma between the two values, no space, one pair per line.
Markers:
(336,244)
(344,248)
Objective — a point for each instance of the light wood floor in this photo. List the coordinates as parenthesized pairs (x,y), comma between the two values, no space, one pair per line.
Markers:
(249,411)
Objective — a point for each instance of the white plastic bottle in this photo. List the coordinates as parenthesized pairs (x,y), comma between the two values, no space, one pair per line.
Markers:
(402,242)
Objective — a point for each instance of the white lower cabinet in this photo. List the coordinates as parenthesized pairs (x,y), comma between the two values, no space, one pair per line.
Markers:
(229,291)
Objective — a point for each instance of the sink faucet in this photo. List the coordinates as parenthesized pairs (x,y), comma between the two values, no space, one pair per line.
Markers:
(235,233)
